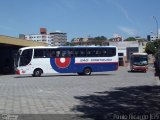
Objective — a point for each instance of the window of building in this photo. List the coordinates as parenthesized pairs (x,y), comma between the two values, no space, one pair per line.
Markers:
(120,54)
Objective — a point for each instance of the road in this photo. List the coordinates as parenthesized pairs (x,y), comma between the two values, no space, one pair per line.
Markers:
(70,94)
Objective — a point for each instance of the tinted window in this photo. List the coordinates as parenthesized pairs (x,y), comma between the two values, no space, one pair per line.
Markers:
(120,54)
(41,53)
(80,52)
(75,52)
(90,52)
(99,52)
(25,57)
(111,52)
(52,53)
(66,52)
(58,53)
(95,52)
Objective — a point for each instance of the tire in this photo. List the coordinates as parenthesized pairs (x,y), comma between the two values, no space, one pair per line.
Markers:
(37,73)
(87,71)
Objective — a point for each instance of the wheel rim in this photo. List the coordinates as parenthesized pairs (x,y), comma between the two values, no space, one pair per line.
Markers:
(37,73)
(87,71)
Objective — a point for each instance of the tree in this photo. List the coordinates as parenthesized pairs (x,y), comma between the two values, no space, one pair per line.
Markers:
(157,44)
(68,44)
(152,47)
(100,38)
(130,39)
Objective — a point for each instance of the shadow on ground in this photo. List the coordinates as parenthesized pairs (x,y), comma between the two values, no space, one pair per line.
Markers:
(122,103)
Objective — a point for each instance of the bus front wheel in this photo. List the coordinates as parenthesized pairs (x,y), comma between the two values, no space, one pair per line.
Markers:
(87,71)
(37,73)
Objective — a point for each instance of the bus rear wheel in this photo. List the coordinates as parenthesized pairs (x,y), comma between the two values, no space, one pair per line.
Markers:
(87,71)
(37,73)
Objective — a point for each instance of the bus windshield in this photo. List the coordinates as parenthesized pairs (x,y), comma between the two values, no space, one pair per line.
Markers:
(140,60)
(25,57)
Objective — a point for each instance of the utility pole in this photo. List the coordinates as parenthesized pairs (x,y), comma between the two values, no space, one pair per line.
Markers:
(156,26)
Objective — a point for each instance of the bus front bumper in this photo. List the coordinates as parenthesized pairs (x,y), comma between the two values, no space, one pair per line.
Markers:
(140,68)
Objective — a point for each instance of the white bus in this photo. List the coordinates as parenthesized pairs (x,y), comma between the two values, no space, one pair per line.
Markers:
(71,59)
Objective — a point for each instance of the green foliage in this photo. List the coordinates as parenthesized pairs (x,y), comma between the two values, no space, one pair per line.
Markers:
(157,44)
(130,39)
(100,38)
(152,47)
(69,44)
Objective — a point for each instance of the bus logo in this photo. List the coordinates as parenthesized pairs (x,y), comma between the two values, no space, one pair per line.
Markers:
(62,62)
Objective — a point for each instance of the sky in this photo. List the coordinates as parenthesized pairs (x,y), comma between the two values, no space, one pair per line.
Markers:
(80,18)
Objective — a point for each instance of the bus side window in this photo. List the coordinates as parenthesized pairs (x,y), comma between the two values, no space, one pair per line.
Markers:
(38,53)
(111,52)
(41,53)
(53,53)
(76,53)
(93,52)
(79,52)
(82,53)
(71,53)
(99,53)
(58,53)
(105,52)
(46,53)
(89,52)
(64,53)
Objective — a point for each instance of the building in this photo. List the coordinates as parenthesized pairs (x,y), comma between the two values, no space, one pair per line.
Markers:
(126,48)
(89,42)
(8,48)
(52,39)
(116,38)
(58,38)
(154,37)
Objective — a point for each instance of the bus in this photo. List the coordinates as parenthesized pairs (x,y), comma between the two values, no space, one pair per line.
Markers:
(139,62)
(66,59)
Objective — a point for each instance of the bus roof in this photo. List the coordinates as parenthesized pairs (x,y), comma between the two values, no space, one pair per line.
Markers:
(49,47)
